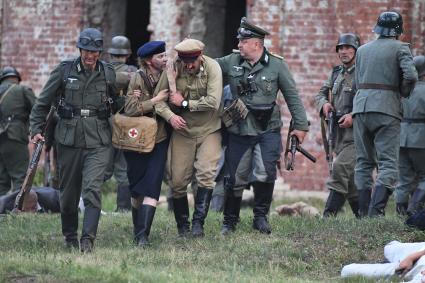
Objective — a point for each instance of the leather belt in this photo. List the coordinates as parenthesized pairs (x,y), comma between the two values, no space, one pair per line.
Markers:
(413,120)
(378,86)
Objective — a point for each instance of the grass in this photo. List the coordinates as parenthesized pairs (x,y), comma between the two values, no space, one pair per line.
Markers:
(298,250)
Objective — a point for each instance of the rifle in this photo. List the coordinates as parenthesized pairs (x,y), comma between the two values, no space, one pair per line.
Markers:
(32,167)
(46,167)
(292,146)
(330,132)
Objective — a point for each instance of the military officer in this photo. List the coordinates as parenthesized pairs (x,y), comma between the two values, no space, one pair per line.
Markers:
(146,170)
(384,71)
(254,142)
(85,88)
(337,95)
(412,148)
(16,102)
(119,53)
(195,145)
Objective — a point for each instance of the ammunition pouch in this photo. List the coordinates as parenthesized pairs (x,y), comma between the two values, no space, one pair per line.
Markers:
(4,124)
(262,113)
(236,111)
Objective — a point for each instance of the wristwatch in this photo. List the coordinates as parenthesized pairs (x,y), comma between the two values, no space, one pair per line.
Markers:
(185,104)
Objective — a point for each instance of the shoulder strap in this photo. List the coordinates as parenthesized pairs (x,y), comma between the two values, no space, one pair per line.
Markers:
(335,72)
(4,94)
(146,80)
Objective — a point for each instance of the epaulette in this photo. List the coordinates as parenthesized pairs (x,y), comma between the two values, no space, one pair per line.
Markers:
(236,51)
(277,56)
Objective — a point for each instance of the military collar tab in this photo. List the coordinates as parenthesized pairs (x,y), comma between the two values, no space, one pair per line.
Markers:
(80,66)
(351,69)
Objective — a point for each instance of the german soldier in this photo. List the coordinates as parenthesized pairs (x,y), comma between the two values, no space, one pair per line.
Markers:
(254,143)
(412,148)
(119,53)
(16,102)
(195,145)
(337,95)
(384,71)
(86,93)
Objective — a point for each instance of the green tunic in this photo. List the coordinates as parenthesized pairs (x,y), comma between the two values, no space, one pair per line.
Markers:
(270,75)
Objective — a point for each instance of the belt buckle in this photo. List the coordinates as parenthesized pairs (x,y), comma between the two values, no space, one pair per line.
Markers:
(85,113)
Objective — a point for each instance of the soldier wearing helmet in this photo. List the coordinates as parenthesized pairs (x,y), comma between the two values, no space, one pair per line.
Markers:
(16,102)
(384,72)
(85,89)
(412,147)
(119,53)
(336,96)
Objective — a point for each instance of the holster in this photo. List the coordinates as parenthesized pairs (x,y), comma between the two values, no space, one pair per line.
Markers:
(236,111)
(262,113)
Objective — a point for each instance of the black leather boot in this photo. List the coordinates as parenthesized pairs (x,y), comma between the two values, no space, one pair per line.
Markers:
(181,214)
(134,213)
(364,202)
(88,234)
(354,204)
(334,203)
(263,194)
(379,201)
(416,201)
(401,208)
(123,199)
(232,207)
(69,229)
(145,216)
(202,204)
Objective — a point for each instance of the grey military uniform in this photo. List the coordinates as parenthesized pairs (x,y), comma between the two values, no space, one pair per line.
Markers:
(412,145)
(83,140)
(118,166)
(341,83)
(377,109)
(16,102)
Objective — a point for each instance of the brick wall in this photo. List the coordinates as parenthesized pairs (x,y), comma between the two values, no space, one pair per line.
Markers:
(36,35)
(305,33)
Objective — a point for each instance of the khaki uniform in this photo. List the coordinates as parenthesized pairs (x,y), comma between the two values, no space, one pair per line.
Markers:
(16,102)
(201,140)
(83,141)
(340,83)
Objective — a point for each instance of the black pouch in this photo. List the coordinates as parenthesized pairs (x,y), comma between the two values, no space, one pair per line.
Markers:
(262,113)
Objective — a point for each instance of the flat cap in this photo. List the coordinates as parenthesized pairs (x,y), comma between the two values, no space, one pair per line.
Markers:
(151,48)
(249,30)
(189,49)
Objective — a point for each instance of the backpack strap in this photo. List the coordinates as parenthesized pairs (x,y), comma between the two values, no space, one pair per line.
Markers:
(147,81)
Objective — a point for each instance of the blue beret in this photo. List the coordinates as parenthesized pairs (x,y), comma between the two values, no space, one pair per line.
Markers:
(151,48)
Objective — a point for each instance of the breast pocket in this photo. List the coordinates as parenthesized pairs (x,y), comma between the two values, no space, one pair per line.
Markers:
(348,96)
(96,96)
(65,131)
(268,83)
(71,90)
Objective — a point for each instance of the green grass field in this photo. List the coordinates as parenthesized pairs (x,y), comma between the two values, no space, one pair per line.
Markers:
(298,250)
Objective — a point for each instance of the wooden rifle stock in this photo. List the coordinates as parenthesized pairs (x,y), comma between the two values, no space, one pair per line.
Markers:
(32,168)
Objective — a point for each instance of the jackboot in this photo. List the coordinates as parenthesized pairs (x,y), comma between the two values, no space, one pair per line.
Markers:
(354,204)
(379,201)
(364,202)
(134,213)
(88,234)
(181,214)
(334,203)
(232,207)
(416,201)
(145,216)
(69,229)
(202,204)
(401,208)
(123,199)
(263,194)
